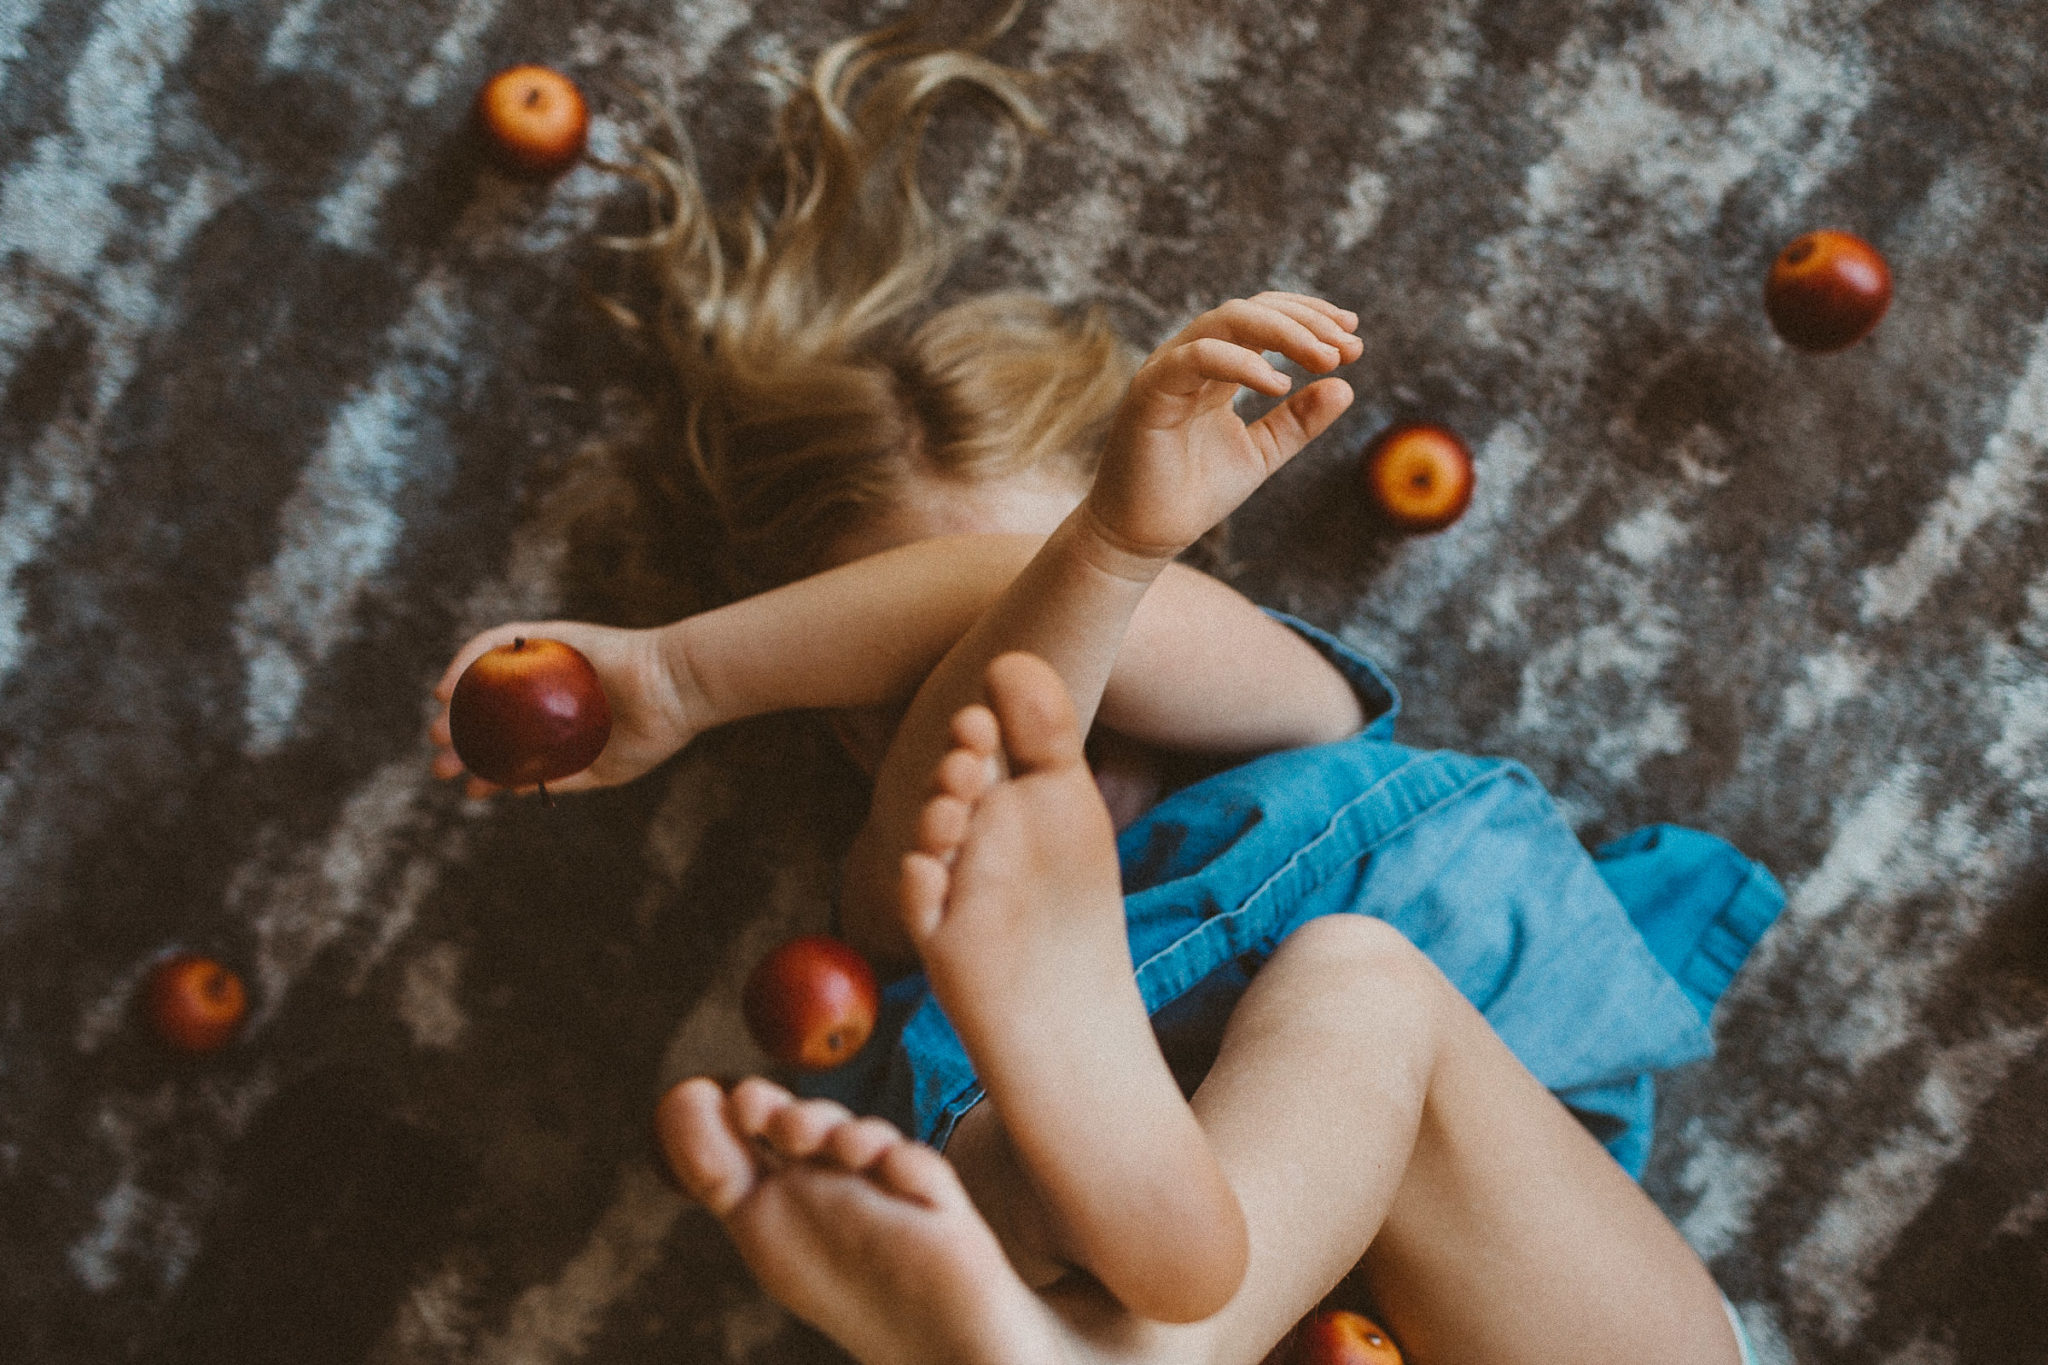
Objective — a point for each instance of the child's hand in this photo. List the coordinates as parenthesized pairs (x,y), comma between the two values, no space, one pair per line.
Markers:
(650,719)
(1179,459)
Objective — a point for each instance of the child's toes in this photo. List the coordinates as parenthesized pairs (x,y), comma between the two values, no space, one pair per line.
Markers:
(915,1171)
(797,1131)
(709,1159)
(941,825)
(1040,728)
(921,891)
(859,1144)
(754,1102)
(974,729)
(966,774)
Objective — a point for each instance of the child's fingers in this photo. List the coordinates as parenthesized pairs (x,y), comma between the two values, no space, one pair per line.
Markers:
(1329,330)
(1281,433)
(1186,368)
(1344,317)
(1261,327)
(448,764)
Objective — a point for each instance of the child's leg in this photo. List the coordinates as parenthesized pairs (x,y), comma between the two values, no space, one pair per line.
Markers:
(1359,1103)
(1493,1227)
(1178,459)
(1357,1100)
(860,1232)
(1014,905)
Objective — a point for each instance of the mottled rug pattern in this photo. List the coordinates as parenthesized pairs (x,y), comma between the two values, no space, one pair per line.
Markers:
(294,394)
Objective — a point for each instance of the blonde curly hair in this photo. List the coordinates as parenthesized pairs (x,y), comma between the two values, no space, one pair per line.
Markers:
(815,375)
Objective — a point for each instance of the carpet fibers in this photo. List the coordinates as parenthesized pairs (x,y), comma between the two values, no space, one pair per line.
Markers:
(296,393)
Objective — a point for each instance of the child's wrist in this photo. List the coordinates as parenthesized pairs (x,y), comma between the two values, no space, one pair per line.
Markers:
(683,696)
(1114,554)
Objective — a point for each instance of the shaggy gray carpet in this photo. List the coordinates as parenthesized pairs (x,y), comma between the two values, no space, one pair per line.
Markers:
(294,395)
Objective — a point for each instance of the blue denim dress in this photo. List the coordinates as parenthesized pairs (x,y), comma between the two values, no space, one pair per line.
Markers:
(1597,970)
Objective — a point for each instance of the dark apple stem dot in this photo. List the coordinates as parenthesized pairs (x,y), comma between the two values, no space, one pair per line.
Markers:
(545,800)
(518,643)
(1798,252)
(832,1042)
(532,96)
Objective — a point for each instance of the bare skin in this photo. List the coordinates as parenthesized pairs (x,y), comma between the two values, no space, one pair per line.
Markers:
(1013,902)
(1202,669)
(1178,459)
(1329,1122)
(1152,1219)
(1159,1227)
(1359,1107)
(865,1235)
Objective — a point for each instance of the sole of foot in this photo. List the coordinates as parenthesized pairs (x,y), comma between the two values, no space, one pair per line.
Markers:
(854,1228)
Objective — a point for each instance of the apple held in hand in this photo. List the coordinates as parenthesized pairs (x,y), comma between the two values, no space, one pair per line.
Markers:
(1827,290)
(1419,477)
(534,118)
(1340,1337)
(528,713)
(811,1003)
(196,1004)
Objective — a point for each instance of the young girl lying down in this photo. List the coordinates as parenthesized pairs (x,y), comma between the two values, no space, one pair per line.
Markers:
(1381,975)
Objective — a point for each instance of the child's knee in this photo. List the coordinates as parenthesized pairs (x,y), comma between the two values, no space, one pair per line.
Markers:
(1350,994)
(1359,941)
(1342,956)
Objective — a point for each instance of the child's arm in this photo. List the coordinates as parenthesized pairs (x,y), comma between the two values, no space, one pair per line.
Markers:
(1039,980)
(1201,669)
(1178,460)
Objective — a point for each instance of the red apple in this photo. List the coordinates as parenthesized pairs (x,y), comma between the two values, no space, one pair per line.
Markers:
(1419,477)
(196,1004)
(1827,290)
(529,712)
(535,119)
(811,1003)
(1340,1337)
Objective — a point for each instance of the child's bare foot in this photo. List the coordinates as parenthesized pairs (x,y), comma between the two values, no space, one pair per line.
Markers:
(854,1228)
(1013,901)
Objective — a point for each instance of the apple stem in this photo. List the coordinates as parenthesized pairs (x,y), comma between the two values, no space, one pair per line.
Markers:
(545,799)
(518,642)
